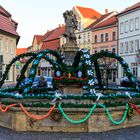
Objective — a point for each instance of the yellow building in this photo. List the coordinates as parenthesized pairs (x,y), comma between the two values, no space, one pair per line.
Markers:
(85,17)
(8,43)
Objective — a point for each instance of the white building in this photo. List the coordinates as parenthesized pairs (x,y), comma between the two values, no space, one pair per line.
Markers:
(129,38)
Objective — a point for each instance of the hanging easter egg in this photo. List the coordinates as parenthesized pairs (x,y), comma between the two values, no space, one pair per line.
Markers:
(58,73)
(79,74)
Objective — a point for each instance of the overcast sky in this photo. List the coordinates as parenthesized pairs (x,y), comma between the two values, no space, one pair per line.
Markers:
(38,16)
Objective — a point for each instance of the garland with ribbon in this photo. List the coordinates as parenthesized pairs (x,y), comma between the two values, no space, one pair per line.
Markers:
(90,112)
(36,117)
(135,107)
(7,107)
(78,121)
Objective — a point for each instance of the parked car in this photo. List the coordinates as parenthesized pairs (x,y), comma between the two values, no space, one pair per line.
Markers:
(125,82)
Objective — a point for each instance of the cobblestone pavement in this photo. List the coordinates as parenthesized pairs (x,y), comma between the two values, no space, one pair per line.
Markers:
(122,134)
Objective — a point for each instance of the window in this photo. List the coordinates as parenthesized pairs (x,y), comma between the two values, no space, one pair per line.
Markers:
(79,25)
(110,74)
(1,62)
(79,38)
(11,46)
(102,37)
(121,28)
(84,37)
(126,47)
(88,37)
(49,72)
(6,46)
(95,39)
(114,36)
(131,46)
(95,51)
(131,25)
(7,77)
(134,69)
(1,44)
(126,26)
(137,44)
(137,23)
(106,37)
(113,50)
(121,48)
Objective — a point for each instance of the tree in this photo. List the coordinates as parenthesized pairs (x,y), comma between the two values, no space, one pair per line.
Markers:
(107,65)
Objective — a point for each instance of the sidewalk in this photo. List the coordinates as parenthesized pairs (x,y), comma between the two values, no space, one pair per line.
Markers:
(122,134)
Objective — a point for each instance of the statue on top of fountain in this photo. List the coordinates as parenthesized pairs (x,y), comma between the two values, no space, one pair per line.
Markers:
(71,25)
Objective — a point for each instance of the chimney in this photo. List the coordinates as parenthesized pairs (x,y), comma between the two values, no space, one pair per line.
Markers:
(59,25)
(106,11)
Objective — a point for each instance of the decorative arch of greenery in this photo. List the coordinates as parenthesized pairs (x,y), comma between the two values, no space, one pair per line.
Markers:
(51,61)
(58,64)
(124,65)
(83,62)
(12,62)
(23,71)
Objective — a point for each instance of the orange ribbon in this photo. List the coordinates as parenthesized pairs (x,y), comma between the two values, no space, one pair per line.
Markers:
(37,117)
(7,107)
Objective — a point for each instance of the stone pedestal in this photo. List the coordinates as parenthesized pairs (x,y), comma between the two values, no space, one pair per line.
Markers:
(98,122)
(71,89)
(69,51)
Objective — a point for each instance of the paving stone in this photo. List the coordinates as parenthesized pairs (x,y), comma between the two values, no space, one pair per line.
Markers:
(121,134)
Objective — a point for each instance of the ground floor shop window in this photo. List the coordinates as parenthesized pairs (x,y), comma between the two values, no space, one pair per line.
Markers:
(134,68)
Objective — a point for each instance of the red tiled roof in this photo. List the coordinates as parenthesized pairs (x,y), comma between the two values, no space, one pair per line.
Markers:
(56,33)
(110,21)
(88,12)
(137,5)
(52,40)
(52,45)
(21,50)
(4,12)
(38,37)
(99,20)
(6,24)
(47,34)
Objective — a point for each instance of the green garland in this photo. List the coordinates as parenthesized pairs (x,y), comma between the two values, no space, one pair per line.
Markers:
(11,63)
(83,62)
(90,112)
(23,71)
(125,66)
(40,55)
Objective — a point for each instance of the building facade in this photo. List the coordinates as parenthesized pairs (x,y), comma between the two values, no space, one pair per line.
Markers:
(8,43)
(85,16)
(104,38)
(129,38)
(20,63)
(50,40)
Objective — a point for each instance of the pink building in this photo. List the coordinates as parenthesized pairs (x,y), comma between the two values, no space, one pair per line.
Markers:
(105,38)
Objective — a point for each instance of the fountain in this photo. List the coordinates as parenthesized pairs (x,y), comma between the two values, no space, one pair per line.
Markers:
(75,103)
